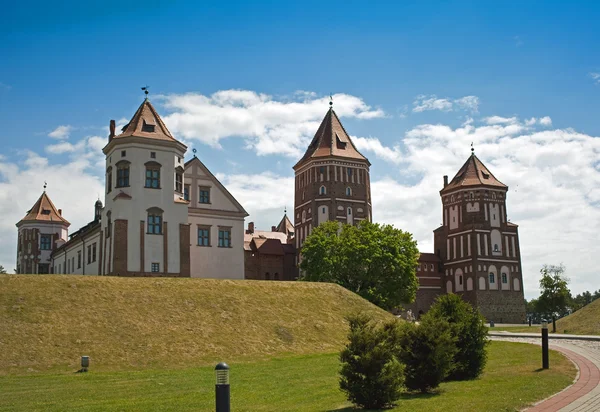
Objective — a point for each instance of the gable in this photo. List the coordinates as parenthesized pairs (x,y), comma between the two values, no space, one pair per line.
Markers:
(198,177)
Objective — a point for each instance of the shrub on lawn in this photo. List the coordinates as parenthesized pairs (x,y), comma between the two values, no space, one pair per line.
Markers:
(371,375)
(427,351)
(468,328)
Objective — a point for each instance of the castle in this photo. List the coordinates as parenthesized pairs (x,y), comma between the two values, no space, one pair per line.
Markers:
(163,217)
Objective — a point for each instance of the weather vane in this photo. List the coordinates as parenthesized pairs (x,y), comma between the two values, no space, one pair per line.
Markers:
(472,148)
(45,185)
(194,151)
(146,91)
(330,100)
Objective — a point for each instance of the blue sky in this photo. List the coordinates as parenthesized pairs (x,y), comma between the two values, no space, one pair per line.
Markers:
(80,64)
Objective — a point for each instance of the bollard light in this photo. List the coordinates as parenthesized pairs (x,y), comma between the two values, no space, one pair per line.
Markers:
(85,363)
(222,391)
(545,359)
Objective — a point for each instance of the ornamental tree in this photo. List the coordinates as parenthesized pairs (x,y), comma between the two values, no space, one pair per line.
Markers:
(375,261)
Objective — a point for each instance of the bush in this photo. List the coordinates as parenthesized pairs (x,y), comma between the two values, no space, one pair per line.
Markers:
(469,330)
(371,375)
(427,351)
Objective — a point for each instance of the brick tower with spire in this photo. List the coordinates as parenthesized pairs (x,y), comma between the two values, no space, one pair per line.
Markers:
(478,245)
(331,180)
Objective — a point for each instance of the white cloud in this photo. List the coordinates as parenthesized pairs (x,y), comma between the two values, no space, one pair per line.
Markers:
(423,103)
(267,126)
(553,178)
(501,120)
(373,145)
(61,132)
(595,77)
(546,121)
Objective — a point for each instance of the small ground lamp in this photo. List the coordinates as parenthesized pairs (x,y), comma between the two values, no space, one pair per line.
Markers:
(222,393)
(545,360)
(85,363)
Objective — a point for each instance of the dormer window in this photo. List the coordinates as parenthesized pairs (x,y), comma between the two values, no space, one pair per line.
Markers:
(339,143)
(485,175)
(45,212)
(148,127)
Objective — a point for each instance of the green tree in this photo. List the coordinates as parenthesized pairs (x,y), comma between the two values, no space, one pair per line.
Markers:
(375,261)
(427,351)
(468,328)
(555,297)
(371,375)
(2,270)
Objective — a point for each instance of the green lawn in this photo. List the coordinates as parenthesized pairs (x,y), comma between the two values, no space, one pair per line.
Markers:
(299,383)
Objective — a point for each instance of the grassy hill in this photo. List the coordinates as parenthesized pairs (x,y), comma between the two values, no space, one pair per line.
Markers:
(49,321)
(586,321)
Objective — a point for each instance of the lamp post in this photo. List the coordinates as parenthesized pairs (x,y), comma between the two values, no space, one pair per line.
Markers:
(222,393)
(545,361)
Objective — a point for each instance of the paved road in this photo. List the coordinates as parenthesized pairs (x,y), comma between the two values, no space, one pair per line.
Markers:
(584,394)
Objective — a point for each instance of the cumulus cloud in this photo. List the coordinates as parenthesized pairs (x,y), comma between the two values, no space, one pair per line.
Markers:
(373,145)
(61,132)
(553,178)
(432,102)
(546,121)
(501,120)
(595,77)
(267,126)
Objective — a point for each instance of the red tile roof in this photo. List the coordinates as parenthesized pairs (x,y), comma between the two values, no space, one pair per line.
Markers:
(473,173)
(146,123)
(285,225)
(331,139)
(44,211)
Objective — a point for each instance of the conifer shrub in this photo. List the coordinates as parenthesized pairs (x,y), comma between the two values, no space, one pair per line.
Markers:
(371,375)
(427,352)
(467,326)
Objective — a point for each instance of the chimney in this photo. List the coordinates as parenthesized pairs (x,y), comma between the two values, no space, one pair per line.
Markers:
(273,228)
(445,180)
(250,228)
(112,130)
(60,212)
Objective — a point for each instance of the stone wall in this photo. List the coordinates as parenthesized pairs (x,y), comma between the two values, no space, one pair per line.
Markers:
(502,306)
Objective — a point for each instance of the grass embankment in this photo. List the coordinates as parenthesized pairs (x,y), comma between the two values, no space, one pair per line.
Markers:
(48,322)
(511,381)
(586,321)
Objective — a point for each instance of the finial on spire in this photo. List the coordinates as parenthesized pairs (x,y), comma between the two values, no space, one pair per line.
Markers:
(472,149)
(146,91)
(45,185)
(285,210)
(330,100)
(194,151)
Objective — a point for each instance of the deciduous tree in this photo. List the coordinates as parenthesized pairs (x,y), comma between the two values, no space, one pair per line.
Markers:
(375,261)
(555,296)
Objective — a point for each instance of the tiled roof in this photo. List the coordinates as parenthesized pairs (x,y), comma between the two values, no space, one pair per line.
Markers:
(263,234)
(285,226)
(44,211)
(146,123)
(331,139)
(429,257)
(473,173)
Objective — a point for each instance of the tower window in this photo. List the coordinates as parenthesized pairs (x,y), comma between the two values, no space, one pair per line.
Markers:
(322,169)
(186,192)
(322,190)
(460,280)
(153,175)
(349,171)
(155,221)
(179,180)
(147,127)
(496,248)
(123,153)
(492,278)
(153,155)
(155,268)
(348,191)
(504,278)
(109,180)
(46,242)
(123,174)
(349,211)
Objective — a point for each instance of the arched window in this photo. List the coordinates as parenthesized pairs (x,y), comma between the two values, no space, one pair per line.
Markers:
(153,175)
(504,278)
(492,278)
(276,276)
(303,216)
(122,173)
(322,190)
(349,211)
(154,221)
(471,196)
(348,191)
(267,276)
